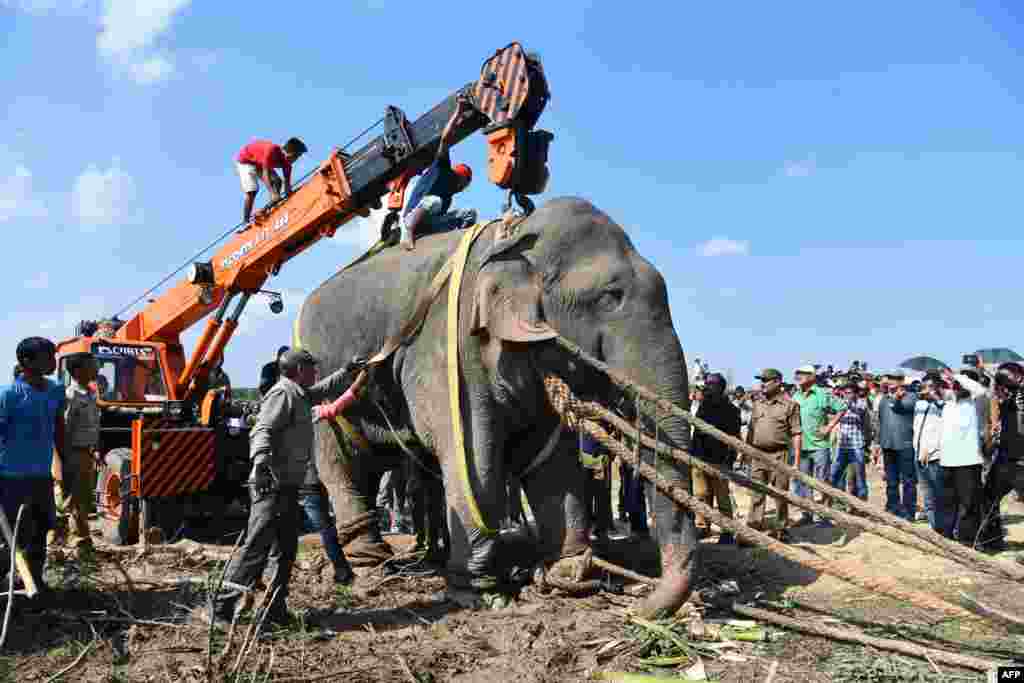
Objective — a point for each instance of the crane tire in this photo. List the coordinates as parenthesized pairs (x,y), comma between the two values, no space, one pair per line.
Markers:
(117,506)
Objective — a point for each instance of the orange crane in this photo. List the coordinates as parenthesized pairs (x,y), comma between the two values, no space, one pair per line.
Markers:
(167,438)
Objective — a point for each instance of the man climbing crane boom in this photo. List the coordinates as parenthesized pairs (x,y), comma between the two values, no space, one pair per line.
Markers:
(432,197)
(257,161)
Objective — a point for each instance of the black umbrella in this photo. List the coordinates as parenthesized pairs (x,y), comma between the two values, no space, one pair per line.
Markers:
(997,356)
(923,364)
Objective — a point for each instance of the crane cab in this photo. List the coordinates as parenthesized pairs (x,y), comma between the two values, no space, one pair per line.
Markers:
(160,454)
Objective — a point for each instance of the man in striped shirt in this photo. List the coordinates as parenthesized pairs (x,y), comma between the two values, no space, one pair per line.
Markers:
(854,423)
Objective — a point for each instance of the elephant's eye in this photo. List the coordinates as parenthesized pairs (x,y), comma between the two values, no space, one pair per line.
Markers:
(610,300)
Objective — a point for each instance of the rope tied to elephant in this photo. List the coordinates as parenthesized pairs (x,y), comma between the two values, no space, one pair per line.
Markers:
(574,413)
(939,544)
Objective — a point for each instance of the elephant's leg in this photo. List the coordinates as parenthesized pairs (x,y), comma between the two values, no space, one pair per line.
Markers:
(555,494)
(476,502)
(348,482)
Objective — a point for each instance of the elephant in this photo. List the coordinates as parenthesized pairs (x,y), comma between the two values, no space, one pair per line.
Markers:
(567,268)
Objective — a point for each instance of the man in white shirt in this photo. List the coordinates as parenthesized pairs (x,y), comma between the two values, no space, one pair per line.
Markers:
(928,450)
(961,457)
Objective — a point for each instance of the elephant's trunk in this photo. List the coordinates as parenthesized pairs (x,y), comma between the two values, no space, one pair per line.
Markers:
(661,366)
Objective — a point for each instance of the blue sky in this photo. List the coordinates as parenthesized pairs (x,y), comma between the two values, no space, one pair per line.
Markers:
(817,183)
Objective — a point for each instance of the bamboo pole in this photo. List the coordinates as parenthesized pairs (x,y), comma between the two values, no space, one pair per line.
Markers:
(851,636)
(564,404)
(950,548)
(741,479)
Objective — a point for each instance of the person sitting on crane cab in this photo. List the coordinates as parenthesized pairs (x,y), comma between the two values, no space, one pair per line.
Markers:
(257,161)
(432,197)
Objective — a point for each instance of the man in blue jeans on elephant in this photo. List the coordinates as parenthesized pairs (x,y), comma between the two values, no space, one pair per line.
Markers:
(896,445)
(817,406)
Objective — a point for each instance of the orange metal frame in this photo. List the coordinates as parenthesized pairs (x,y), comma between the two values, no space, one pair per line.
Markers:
(314,211)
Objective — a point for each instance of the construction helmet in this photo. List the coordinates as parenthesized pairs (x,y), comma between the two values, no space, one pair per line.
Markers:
(464,171)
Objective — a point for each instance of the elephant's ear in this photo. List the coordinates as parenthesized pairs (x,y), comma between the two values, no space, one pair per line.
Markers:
(507,303)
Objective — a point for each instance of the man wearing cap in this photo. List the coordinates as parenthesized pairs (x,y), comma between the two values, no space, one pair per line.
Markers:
(281,444)
(774,428)
(895,415)
(270,373)
(432,197)
(718,411)
(817,406)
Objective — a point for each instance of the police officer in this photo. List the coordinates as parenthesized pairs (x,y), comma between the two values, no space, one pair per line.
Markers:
(774,429)
(281,444)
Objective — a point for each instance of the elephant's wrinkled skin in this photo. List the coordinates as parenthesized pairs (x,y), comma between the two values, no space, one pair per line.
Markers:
(568,266)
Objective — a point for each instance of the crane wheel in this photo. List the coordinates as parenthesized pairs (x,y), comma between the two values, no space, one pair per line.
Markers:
(118,511)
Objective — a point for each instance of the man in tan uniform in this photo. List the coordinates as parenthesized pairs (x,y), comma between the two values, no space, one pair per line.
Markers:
(75,475)
(774,429)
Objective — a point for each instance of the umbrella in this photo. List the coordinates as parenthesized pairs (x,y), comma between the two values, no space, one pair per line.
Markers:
(923,364)
(997,356)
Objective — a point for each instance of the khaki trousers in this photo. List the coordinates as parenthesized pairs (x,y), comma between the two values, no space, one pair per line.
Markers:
(759,472)
(74,498)
(708,488)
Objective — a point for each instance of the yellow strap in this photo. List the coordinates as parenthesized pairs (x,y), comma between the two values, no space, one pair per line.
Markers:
(454,287)
(458,438)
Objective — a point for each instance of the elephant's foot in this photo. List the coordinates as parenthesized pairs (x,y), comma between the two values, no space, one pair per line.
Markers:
(366,552)
(678,568)
(568,574)
(478,591)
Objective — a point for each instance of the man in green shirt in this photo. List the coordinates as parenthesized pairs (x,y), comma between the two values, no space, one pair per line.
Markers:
(817,406)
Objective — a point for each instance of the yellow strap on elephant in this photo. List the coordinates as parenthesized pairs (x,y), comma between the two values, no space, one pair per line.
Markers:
(458,437)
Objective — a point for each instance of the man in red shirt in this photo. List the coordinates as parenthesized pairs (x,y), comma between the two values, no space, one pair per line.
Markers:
(256,162)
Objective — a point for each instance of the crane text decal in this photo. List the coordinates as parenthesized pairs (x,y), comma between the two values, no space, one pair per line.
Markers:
(262,235)
(136,351)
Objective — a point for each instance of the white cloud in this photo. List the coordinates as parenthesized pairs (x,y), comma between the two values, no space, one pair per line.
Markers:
(362,233)
(723,246)
(258,316)
(800,168)
(17,197)
(54,324)
(128,31)
(104,197)
(151,70)
(132,25)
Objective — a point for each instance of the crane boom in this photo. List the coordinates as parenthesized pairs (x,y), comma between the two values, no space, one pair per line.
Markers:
(509,96)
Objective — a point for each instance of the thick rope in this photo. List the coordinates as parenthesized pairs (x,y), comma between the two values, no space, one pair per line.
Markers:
(567,406)
(949,548)
(592,409)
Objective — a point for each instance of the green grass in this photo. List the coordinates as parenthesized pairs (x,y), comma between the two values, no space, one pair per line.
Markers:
(343,597)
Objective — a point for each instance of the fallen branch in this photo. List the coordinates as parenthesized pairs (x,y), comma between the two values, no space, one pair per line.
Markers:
(992,612)
(10,588)
(407,670)
(949,548)
(567,406)
(848,520)
(851,636)
(623,572)
(73,664)
(210,603)
(332,675)
(123,620)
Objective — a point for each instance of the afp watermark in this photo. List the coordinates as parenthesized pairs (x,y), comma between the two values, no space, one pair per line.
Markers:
(1007,674)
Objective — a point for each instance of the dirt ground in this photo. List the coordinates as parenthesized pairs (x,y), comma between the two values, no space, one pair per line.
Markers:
(127,619)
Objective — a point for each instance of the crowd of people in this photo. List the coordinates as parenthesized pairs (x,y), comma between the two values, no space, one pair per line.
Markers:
(949,446)
(955,437)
